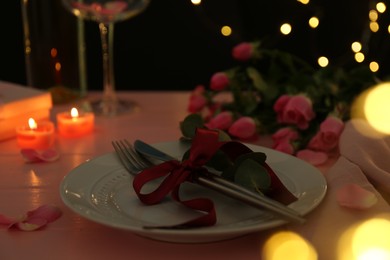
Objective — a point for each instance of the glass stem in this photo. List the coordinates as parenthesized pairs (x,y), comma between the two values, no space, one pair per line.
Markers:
(109,96)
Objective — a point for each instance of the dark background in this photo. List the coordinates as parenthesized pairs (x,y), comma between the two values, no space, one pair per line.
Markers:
(175,45)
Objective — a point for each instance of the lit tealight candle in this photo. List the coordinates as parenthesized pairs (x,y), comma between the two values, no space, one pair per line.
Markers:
(35,135)
(74,124)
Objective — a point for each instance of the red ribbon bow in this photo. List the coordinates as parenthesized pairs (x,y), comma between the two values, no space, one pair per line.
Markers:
(204,145)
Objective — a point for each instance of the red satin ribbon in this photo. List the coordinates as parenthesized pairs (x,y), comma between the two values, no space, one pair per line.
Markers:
(204,145)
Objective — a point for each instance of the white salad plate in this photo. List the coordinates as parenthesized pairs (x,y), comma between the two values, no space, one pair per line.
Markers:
(101,190)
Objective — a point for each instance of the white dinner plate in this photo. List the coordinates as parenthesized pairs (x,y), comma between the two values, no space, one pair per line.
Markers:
(101,190)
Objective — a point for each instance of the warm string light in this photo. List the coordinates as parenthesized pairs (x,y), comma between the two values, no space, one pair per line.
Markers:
(381,7)
(226,30)
(285,28)
(314,22)
(305,2)
(323,61)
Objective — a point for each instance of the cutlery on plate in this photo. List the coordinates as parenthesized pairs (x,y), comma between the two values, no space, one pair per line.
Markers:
(224,186)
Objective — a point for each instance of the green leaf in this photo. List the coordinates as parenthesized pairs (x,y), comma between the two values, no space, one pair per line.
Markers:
(256,156)
(252,175)
(223,136)
(189,124)
(257,79)
(220,161)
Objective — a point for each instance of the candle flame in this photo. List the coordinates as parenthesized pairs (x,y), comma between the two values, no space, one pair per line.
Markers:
(74,112)
(32,124)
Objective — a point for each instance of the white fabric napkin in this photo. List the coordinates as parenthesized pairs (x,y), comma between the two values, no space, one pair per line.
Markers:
(370,150)
(365,161)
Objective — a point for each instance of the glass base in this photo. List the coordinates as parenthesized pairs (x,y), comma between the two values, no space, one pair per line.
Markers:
(113,108)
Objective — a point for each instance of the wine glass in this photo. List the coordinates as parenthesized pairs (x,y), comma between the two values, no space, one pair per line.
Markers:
(106,13)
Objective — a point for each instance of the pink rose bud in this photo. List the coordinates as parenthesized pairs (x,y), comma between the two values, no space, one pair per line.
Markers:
(285,133)
(244,128)
(243,51)
(199,90)
(284,146)
(331,128)
(196,103)
(219,81)
(327,138)
(221,121)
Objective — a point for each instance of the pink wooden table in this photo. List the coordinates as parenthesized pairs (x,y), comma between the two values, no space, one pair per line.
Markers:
(26,186)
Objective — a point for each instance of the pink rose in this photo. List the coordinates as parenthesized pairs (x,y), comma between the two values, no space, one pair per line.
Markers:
(196,104)
(327,138)
(283,138)
(197,101)
(242,51)
(244,128)
(297,110)
(284,146)
(219,81)
(221,121)
(285,133)
(199,90)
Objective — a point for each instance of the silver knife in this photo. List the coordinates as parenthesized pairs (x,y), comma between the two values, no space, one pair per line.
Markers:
(217,183)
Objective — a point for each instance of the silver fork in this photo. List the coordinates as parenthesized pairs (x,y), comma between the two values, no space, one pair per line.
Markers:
(130,159)
(135,162)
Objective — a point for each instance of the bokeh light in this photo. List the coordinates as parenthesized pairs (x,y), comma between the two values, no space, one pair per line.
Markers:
(323,61)
(374,66)
(374,26)
(196,2)
(305,2)
(377,107)
(373,105)
(57,66)
(288,245)
(285,28)
(381,7)
(356,46)
(373,15)
(314,22)
(359,57)
(366,241)
(226,30)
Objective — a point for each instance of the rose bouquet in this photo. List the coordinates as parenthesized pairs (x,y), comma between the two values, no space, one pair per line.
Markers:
(271,92)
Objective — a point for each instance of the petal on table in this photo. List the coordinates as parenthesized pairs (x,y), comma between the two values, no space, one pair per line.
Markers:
(312,157)
(353,196)
(36,219)
(31,225)
(49,155)
(47,212)
(32,156)
(4,220)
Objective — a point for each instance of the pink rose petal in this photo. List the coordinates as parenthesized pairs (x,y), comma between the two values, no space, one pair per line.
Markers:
(48,212)
(4,220)
(33,156)
(34,219)
(49,155)
(354,196)
(31,225)
(312,157)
